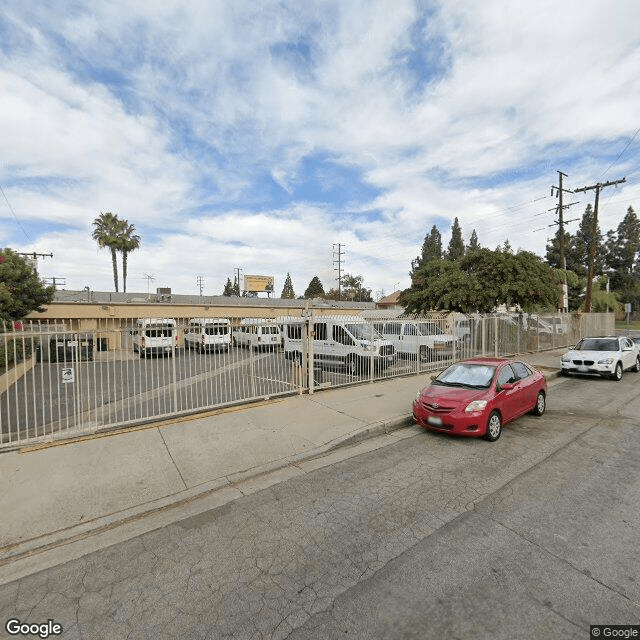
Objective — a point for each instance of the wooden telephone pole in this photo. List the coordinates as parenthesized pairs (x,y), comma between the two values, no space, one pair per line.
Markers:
(592,246)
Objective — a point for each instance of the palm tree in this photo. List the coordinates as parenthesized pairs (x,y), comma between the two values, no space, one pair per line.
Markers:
(106,233)
(128,241)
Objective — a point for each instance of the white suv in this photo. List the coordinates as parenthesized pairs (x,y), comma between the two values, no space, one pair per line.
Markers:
(608,356)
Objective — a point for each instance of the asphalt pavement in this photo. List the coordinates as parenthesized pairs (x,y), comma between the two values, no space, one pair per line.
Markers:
(67,499)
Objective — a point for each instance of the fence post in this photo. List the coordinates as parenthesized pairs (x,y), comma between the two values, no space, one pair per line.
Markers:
(371,343)
(484,335)
(174,369)
(304,365)
(495,336)
(311,335)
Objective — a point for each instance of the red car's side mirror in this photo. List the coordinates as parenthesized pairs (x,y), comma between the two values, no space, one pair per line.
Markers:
(507,386)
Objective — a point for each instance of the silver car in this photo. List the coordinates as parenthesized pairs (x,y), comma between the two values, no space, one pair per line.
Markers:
(606,356)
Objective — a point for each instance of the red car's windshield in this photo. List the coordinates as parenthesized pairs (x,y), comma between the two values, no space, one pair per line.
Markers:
(467,375)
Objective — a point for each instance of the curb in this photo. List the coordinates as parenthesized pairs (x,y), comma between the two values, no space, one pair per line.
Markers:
(231,484)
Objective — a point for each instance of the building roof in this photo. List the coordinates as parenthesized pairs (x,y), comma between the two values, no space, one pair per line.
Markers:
(392,299)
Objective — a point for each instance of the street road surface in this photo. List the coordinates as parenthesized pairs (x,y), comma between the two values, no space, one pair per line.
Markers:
(534,536)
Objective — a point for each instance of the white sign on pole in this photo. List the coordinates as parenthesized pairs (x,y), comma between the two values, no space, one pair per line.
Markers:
(68,375)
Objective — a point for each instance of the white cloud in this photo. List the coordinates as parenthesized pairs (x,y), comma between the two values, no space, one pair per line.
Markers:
(173,115)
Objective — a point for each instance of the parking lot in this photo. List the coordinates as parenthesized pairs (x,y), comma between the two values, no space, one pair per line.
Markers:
(120,387)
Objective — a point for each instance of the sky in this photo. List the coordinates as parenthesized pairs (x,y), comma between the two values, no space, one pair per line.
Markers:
(261,135)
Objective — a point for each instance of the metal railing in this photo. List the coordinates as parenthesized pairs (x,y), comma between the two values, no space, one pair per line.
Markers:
(71,377)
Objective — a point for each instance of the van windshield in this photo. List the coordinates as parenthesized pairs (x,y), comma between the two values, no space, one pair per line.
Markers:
(270,330)
(216,330)
(429,329)
(158,333)
(362,331)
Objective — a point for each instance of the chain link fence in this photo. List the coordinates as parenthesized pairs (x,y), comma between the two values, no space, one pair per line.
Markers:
(62,379)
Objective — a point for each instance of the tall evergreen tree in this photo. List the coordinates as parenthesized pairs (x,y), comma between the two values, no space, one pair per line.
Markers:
(315,289)
(235,291)
(473,245)
(622,249)
(455,250)
(287,290)
(506,247)
(553,250)
(431,249)
(228,288)
(582,243)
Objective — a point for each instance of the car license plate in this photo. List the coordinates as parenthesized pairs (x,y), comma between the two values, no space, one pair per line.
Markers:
(434,422)
(583,369)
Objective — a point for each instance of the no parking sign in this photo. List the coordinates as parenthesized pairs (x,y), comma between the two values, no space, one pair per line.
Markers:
(68,375)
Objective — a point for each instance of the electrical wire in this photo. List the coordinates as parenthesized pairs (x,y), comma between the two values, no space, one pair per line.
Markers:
(620,154)
(14,215)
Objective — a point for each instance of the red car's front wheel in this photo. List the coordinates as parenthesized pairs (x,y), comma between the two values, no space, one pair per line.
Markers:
(494,427)
(541,404)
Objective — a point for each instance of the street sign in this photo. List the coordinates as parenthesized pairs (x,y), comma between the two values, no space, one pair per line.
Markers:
(68,375)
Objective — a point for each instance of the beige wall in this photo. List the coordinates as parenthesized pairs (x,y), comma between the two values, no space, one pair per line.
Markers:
(109,320)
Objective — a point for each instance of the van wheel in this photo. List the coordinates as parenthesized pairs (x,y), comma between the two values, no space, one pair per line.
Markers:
(353,367)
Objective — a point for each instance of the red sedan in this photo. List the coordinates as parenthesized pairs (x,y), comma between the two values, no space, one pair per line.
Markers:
(476,397)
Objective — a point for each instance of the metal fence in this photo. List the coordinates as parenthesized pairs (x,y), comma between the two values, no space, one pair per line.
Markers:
(71,377)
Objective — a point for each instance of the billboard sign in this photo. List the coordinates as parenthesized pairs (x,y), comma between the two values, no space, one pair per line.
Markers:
(255,284)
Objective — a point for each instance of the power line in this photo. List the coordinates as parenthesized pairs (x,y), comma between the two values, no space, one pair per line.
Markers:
(620,154)
(15,216)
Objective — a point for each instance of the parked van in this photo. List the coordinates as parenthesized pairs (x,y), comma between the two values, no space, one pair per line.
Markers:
(352,343)
(155,336)
(208,334)
(257,333)
(418,338)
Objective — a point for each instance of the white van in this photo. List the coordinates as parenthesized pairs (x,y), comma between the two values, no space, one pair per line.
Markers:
(352,343)
(155,336)
(208,334)
(257,333)
(418,338)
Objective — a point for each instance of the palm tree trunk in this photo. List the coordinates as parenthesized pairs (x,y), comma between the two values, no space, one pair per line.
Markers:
(124,271)
(115,267)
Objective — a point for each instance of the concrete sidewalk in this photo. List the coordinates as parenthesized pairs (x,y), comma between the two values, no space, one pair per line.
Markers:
(106,488)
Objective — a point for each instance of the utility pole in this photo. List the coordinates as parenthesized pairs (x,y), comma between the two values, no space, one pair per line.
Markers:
(200,283)
(236,277)
(32,258)
(55,281)
(35,255)
(339,253)
(592,247)
(559,191)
